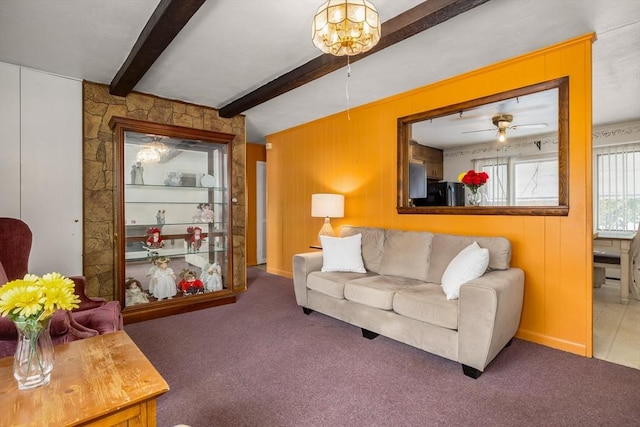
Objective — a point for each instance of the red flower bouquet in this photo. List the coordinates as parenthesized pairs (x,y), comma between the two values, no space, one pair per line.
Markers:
(474,180)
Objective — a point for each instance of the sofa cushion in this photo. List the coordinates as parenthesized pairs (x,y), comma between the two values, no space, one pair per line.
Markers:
(469,264)
(445,247)
(331,284)
(372,244)
(427,303)
(342,254)
(406,254)
(376,291)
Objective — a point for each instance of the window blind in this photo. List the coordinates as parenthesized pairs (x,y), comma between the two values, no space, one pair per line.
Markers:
(617,192)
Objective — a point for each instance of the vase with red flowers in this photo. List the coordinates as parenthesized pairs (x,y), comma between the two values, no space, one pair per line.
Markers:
(473,181)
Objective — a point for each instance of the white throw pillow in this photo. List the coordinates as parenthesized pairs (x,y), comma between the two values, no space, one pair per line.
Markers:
(469,264)
(342,253)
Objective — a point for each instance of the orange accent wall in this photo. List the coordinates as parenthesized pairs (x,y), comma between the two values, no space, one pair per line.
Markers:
(255,153)
(357,157)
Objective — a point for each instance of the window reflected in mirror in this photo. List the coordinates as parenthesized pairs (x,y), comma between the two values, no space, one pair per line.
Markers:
(514,146)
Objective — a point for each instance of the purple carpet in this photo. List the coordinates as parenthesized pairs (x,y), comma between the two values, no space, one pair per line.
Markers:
(262,362)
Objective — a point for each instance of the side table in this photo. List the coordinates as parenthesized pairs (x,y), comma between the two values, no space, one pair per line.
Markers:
(100,381)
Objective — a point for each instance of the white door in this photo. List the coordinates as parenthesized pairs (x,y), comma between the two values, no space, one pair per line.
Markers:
(51,170)
(261,212)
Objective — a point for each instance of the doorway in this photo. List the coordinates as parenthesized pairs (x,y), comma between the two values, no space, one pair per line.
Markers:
(261,212)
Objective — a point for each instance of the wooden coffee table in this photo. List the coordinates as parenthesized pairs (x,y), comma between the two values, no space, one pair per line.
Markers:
(99,381)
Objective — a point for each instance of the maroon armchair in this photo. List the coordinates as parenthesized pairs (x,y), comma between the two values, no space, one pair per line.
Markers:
(94,316)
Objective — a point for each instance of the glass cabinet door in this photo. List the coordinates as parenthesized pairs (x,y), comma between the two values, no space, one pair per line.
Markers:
(174,220)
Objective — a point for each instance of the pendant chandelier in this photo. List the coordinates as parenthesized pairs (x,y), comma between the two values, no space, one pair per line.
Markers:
(346,27)
(152,151)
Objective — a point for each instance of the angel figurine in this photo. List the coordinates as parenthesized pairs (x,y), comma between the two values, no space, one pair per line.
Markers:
(163,280)
(212,277)
(207,213)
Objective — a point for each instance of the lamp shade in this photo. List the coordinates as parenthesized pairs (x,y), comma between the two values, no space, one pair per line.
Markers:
(346,27)
(327,205)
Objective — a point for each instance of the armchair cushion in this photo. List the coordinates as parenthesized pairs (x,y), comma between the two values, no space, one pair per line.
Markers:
(63,329)
(104,319)
(86,302)
(3,275)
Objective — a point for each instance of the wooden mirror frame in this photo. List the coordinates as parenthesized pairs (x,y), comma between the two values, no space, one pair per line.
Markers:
(404,133)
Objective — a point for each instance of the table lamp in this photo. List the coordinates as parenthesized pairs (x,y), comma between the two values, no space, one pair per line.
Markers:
(327,206)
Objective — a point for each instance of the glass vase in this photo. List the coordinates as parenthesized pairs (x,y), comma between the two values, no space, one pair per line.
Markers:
(33,359)
(475,198)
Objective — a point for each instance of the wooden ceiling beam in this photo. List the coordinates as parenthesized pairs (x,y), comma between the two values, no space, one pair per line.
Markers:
(164,24)
(420,18)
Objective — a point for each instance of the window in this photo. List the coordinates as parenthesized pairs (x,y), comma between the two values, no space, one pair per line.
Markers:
(496,190)
(521,181)
(617,187)
(535,182)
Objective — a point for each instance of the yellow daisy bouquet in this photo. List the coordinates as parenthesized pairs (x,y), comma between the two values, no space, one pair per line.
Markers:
(36,298)
(30,303)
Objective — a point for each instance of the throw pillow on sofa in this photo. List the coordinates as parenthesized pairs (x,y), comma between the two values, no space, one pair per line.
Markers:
(342,254)
(469,264)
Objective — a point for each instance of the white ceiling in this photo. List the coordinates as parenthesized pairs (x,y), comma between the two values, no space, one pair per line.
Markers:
(534,114)
(231,47)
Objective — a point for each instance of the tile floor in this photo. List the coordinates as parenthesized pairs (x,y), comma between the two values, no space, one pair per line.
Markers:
(616,327)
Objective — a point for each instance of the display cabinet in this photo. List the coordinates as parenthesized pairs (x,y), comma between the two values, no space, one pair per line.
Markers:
(173,232)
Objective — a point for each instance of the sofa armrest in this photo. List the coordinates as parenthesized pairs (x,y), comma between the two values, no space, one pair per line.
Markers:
(303,264)
(489,310)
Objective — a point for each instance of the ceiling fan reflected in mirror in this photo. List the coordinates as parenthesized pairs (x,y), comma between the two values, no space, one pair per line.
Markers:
(502,122)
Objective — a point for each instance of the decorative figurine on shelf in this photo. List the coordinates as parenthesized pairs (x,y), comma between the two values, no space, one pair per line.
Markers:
(212,277)
(163,279)
(197,216)
(195,241)
(173,179)
(207,213)
(189,283)
(160,217)
(136,173)
(134,293)
(155,239)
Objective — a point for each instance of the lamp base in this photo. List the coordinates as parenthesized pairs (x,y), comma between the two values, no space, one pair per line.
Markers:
(326,230)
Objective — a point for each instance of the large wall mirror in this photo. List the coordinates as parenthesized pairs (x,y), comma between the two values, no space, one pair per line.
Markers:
(519,139)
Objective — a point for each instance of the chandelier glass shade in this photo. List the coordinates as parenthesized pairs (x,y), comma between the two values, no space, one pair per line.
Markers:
(346,27)
(151,152)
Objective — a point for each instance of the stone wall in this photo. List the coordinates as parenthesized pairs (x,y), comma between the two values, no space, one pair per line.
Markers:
(98,169)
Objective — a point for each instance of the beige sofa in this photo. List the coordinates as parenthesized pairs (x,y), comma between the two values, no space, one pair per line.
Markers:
(400,295)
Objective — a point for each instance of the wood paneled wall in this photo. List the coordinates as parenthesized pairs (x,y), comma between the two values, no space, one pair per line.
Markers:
(356,157)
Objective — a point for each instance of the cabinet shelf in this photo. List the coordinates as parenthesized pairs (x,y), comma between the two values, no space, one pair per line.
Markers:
(150,254)
(182,236)
(174,187)
(174,202)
